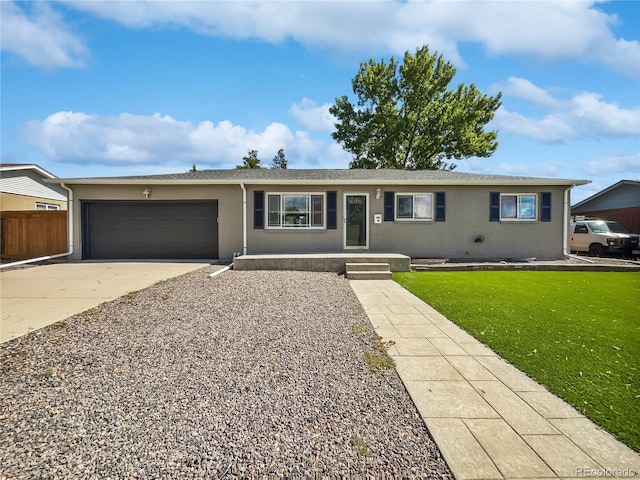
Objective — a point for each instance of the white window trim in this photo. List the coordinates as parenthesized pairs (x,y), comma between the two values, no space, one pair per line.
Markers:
(301,229)
(414,194)
(47,206)
(518,195)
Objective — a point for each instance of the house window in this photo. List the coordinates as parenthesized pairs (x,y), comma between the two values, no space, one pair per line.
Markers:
(295,210)
(521,206)
(46,206)
(414,206)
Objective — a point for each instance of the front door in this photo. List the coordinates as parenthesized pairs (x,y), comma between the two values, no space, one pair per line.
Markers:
(356,220)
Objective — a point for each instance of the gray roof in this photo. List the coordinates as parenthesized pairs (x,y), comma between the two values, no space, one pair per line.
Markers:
(314,176)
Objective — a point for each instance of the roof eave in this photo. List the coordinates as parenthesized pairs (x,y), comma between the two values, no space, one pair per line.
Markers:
(446,182)
(37,168)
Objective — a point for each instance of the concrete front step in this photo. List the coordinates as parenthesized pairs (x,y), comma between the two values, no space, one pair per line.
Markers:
(367,267)
(368,271)
(320,262)
(364,275)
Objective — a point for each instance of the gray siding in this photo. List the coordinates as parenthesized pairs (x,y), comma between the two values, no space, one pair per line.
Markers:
(467,217)
(229,208)
(266,241)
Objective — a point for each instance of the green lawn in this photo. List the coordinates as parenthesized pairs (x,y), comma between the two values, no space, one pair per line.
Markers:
(578,333)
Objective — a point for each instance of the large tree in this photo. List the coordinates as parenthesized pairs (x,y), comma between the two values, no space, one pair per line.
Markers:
(407,118)
(279,160)
(250,160)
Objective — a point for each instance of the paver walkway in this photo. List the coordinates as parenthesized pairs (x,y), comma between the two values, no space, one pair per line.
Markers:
(490,420)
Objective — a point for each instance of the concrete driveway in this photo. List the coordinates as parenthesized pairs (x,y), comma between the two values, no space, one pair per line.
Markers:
(34,297)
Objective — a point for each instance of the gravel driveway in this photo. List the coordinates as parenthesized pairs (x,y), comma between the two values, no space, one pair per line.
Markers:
(243,374)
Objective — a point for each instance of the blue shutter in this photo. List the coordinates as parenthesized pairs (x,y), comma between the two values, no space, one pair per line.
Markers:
(258,209)
(545,212)
(440,207)
(389,199)
(494,207)
(332,210)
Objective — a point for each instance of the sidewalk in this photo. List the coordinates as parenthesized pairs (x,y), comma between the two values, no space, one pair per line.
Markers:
(489,419)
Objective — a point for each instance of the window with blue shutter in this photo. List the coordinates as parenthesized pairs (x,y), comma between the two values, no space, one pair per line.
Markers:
(494,207)
(389,199)
(258,209)
(440,210)
(545,212)
(332,210)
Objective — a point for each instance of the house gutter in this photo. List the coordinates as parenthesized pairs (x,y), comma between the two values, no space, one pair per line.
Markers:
(244,218)
(69,236)
(565,223)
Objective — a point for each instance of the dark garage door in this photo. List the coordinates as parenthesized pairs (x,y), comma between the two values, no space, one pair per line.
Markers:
(146,230)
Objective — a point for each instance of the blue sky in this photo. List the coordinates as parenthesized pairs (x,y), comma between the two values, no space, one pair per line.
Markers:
(126,88)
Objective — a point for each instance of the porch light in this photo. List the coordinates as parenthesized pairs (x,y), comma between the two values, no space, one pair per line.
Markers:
(378,193)
(146,192)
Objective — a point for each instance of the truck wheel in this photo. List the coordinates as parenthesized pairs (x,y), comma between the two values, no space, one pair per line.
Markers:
(596,250)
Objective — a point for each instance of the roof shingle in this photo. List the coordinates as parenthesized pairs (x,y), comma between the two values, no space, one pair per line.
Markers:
(337,176)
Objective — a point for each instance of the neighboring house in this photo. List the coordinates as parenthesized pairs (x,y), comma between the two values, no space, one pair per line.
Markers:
(211,214)
(619,202)
(23,187)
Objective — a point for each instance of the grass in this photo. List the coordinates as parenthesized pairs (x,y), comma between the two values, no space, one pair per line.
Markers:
(379,360)
(130,296)
(577,333)
(362,449)
(358,330)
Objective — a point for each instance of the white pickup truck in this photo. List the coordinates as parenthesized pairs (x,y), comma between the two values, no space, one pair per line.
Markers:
(600,237)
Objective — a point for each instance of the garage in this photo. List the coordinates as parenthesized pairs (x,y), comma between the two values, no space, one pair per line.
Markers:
(149,229)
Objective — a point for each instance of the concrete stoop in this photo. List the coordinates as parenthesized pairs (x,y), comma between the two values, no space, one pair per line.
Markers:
(368,271)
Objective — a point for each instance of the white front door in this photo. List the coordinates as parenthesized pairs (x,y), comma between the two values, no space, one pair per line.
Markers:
(356,220)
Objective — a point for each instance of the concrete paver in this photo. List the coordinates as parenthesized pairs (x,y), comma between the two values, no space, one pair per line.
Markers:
(415,368)
(522,418)
(448,399)
(489,419)
(453,438)
(549,406)
(34,297)
(560,454)
(511,454)
(598,444)
(510,376)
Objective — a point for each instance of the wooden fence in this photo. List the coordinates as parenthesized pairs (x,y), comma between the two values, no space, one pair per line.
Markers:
(32,234)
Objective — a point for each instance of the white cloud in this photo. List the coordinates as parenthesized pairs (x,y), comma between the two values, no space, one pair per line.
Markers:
(474,165)
(550,31)
(127,139)
(549,169)
(549,129)
(585,114)
(599,118)
(38,34)
(523,88)
(313,116)
(555,31)
(624,164)
(514,168)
